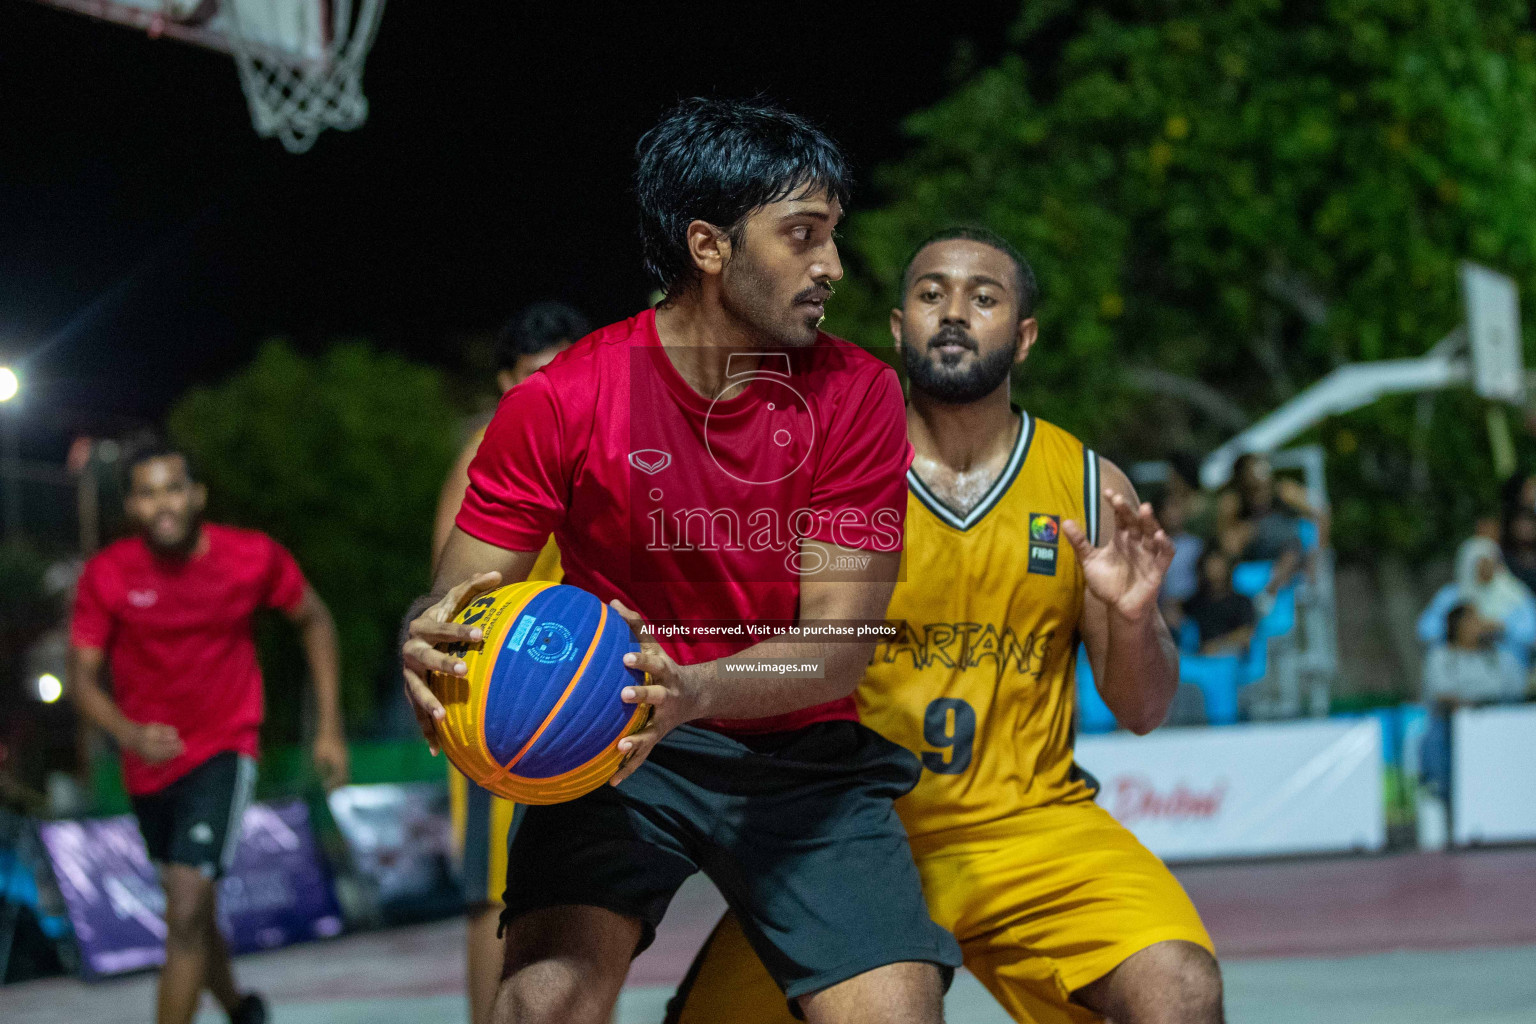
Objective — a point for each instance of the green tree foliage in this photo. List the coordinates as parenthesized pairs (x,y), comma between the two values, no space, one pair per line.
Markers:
(339,457)
(1245,194)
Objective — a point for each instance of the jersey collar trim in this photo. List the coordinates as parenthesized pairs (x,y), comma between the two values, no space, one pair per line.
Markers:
(999,488)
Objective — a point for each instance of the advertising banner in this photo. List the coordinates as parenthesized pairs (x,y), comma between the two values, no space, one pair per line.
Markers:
(400,837)
(1493,774)
(1244,790)
(278,891)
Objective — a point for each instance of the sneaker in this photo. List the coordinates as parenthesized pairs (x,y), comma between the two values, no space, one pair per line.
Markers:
(251,1009)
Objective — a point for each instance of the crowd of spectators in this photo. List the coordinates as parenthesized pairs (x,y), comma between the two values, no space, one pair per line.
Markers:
(1479,630)
(1257,520)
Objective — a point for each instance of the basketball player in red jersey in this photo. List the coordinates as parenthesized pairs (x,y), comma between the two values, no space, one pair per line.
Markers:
(715,458)
(171,608)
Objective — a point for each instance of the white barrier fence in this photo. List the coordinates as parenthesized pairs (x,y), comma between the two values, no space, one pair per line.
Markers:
(1245,790)
(1493,774)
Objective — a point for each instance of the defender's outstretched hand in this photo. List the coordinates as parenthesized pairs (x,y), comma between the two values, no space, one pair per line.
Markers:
(421,656)
(1127,572)
(666,690)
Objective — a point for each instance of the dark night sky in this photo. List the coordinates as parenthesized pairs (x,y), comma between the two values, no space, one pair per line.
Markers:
(149,240)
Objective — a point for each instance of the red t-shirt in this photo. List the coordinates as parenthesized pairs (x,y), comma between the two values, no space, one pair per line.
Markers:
(178,639)
(690,508)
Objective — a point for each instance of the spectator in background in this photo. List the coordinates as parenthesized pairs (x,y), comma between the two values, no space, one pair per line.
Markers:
(1518,528)
(1182,579)
(1465,671)
(1258,519)
(1503,611)
(1224,618)
(1519,491)
(1520,546)
(1467,668)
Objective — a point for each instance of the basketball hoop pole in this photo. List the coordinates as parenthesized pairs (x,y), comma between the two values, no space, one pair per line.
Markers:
(1484,351)
(1344,390)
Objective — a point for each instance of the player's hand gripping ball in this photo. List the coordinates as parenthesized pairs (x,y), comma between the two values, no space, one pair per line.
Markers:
(537,718)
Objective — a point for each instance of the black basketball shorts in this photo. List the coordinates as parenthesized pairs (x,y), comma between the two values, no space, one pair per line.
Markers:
(796,829)
(196,819)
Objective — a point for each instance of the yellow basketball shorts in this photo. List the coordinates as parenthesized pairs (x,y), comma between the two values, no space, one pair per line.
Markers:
(1059,901)
(482,825)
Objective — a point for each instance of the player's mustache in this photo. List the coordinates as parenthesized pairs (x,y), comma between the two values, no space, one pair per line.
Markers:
(820,293)
(950,334)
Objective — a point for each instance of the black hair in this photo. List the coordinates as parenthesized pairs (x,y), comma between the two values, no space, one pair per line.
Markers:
(1212,551)
(719,161)
(1024,284)
(1186,466)
(1453,620)
(538,327)
(150,450)
(1241,464)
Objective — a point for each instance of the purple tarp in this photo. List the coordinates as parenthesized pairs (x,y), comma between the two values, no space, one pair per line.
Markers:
(277,893)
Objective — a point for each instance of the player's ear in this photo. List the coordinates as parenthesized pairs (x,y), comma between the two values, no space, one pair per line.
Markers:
(709,246)
(1029,331)
(897,318)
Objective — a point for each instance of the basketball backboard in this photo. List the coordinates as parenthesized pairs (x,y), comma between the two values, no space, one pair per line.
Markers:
(1492,304)
(300,61)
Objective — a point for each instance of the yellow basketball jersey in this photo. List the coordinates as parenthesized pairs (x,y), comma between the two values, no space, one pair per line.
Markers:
(980,681)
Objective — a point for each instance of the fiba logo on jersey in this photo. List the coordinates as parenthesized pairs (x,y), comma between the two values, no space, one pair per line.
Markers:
(1044,539)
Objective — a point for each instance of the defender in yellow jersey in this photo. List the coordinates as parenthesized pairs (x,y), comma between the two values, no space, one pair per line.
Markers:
(1060,912)
(482,822)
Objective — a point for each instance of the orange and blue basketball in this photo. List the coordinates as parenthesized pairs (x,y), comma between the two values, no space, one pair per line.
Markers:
(537,718)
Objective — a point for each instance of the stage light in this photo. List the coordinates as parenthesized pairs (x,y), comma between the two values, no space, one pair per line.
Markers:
(9,384)
(49,688)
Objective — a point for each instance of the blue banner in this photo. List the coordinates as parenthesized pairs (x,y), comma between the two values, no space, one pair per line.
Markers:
(277,893)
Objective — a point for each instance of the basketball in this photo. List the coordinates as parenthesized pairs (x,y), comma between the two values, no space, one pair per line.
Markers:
(537,718)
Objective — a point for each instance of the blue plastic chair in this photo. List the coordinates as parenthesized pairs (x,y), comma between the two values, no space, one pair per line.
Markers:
(1248,578)
(1280,621)
(1217,676)
(1282,617)
(1188,637)
(1093,715)
(1306,529)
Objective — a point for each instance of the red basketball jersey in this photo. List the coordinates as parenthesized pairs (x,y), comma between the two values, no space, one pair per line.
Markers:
(177,633)
(690,507)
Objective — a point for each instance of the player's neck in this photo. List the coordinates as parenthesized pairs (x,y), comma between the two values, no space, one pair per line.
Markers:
(194,546)
(961,438)
(700,337)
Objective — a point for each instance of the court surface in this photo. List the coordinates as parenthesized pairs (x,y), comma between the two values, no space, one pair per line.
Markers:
(1406,939)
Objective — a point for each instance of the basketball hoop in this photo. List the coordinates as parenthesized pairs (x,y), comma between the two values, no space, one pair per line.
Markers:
(295,92)
(300,61)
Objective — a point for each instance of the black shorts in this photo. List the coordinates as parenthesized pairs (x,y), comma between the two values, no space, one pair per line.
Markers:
(196,819)
(796,829)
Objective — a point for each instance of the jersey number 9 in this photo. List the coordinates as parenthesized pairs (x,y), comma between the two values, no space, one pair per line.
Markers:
(950,725)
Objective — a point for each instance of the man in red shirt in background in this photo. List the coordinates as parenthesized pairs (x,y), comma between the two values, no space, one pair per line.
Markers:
(170,608)
(716,458)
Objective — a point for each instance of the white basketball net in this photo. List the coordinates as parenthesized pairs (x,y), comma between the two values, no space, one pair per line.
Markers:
(295,96)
